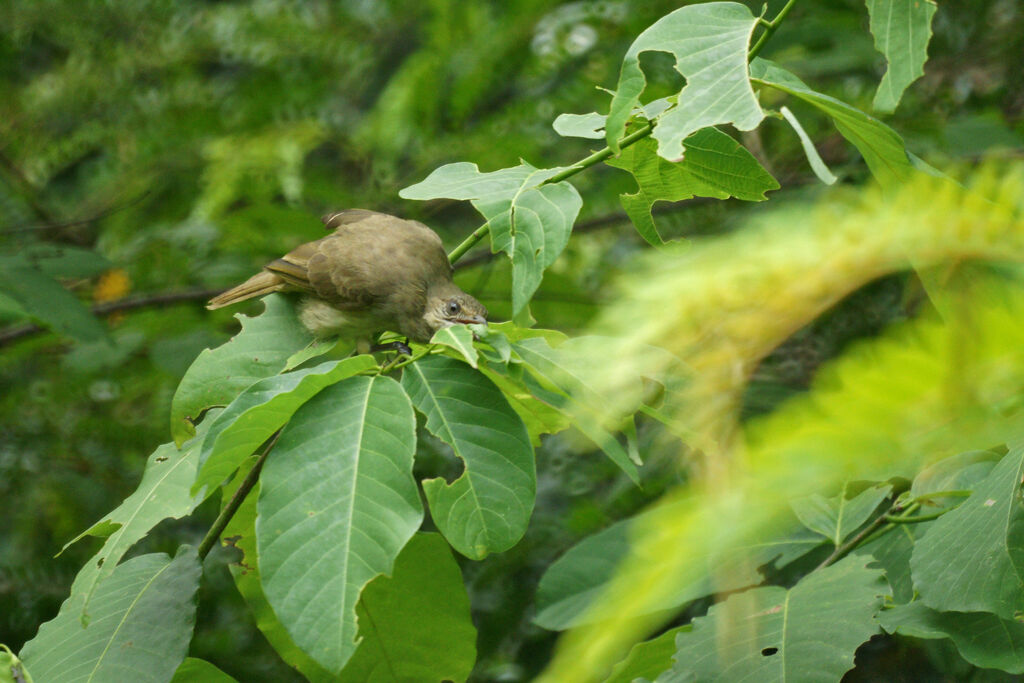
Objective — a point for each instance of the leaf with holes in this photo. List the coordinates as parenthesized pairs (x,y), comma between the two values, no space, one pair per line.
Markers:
(337,503)
(902,29)
(806,633)
(710,43)
(488,507)
(715,165)
(140,630)
(217,376)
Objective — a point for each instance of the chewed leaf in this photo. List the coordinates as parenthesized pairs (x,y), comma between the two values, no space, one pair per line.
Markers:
(710,44)
(902,29)
(590,126)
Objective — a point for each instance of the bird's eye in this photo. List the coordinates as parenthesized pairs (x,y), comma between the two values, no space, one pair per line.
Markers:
(453,307)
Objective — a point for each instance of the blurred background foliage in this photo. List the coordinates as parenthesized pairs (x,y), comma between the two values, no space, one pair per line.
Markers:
(165,150)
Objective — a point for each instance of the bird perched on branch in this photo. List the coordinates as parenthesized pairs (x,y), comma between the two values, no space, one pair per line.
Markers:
(374,272)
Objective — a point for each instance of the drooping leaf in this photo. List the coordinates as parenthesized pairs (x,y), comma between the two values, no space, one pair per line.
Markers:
(564,371)
(165,492)
(715,165)
(710,44)
(194,670)
(459,338)
(143,614)
(902,29)
(488,507)
(810,151)
(262,409)
(528,220)
(44,299)
(415,624)
(983,639)
(892,551)
(538,416)
(649,659)
(986,530)
(260,350)
(808,633)
(882,148)
(836,518)
(337,503)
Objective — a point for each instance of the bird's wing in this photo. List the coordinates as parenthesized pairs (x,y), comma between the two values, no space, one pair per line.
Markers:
(293,266)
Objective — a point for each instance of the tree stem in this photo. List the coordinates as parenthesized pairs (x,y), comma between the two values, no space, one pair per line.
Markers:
(231,508)
(769,29)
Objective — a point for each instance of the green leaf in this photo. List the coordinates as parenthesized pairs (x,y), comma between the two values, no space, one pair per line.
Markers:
(488,507)
(459,338)
(528,220)
(240,533)
(987,531)
(140,630)
(982,639)
(337,504)
(58,261)
(715,165)
(568,388)
(810,151)
(578,578)
(12,670)
(589,126)
(882,148)
(710,44)
(892,551)
(806,633)
(260,410)
(902,29)
(960,472)
(415,625)
(44,299)
(647,660)
(194,670)
(165,492)
(260,350)
(538,416)
(836,518)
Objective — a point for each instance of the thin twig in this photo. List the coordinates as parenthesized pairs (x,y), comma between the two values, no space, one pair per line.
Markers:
(231,508)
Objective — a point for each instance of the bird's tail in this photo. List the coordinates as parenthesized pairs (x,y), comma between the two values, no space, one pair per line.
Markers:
(259,284)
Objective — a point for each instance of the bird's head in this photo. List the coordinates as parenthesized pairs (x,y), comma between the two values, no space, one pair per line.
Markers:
(452,307)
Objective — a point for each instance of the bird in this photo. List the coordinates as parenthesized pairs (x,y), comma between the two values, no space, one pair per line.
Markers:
(373,273)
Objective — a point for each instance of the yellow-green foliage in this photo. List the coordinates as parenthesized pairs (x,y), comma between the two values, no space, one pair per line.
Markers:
(949,381)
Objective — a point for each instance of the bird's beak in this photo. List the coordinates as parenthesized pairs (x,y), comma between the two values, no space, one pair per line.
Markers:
(473,320)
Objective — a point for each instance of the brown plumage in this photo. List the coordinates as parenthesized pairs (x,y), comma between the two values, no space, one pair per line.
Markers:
(375,272)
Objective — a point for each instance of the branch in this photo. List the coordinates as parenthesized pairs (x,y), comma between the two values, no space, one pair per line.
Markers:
(769,29)
(231,508)
(12,334)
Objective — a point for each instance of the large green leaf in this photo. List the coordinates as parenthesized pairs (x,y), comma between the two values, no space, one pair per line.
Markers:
(240,533)
(415,624)
(983,639)
(710,43)
(488,507)
(987,531)
(142,623)
(902,29)
(882,147)
(838,517)
(538,416)
(527,219)
(46,300)
(261,410)
(260,350)
(715,165)
(337,504)
(165,492)
(806,633)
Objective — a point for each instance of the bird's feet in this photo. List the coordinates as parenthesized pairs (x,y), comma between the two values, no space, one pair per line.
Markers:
(400,347)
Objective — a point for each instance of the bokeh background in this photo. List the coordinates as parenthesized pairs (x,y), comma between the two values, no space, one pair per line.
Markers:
(187,143)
